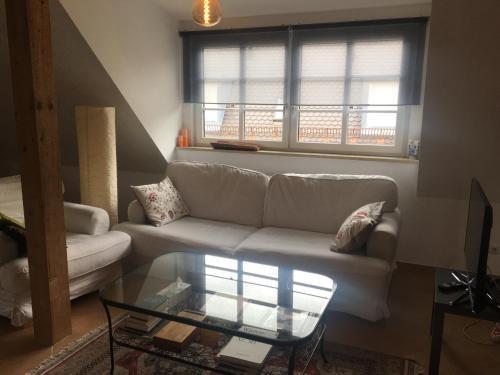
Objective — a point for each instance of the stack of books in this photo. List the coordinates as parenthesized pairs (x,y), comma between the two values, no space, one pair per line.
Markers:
(159,301)
(140,324)
(143,323)
(243,356)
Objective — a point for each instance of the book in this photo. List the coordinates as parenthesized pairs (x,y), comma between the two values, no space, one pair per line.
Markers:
(176,336)
(140,325)
(245,353)
(144,317)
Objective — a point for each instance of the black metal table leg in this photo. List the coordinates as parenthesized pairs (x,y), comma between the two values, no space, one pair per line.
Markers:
(437,337)
(291,361)
(110,332)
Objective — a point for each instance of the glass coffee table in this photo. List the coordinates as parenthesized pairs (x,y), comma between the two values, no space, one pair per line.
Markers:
(268,304)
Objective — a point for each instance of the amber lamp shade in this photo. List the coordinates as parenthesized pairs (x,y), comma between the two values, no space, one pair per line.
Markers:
(207,13)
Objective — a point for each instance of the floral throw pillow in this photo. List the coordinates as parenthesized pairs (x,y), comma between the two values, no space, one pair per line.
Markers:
(161,202)
(356,229)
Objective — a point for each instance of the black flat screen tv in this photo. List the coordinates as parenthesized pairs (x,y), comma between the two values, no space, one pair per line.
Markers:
(477,240)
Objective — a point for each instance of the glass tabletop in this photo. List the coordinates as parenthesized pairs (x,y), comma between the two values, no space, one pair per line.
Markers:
(277,304)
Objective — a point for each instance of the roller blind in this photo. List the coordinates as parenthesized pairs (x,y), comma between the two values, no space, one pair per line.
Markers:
(360,63)
(236,68)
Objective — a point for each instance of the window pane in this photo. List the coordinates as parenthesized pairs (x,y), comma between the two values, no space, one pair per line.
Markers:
(221,72)
(320,125)
(323,60)
(372,128)
(321,91)
(222,123)
(265,74)
(322,72)
(264,123)
(376,70)
(377,58)
(381,93)
(221,91)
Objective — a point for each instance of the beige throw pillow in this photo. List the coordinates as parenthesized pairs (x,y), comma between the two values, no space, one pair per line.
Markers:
(161,202)
(356,229)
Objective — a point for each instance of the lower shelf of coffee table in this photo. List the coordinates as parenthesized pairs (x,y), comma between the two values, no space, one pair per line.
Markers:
(203,354)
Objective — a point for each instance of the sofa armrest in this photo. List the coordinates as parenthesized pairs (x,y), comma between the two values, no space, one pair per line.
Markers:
(383,240)
(83,219)
(136,213)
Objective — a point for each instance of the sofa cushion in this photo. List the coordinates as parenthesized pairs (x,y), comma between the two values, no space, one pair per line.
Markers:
(308,251)
(85,254)
(220,192)
(186,234)
(320,203)
(356,229)
(161,202)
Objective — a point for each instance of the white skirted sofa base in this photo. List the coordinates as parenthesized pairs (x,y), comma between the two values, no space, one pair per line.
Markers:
(94,259)
(286,219)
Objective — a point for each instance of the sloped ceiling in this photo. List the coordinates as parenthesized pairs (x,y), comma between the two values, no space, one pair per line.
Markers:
(80,80)
(138,45)
(181,9)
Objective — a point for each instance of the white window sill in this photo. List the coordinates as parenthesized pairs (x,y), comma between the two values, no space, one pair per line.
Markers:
(307,154)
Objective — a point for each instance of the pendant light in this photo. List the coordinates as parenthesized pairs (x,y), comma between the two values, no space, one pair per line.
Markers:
(206,13)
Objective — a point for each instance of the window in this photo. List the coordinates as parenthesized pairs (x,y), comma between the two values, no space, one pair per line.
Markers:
(243,91)
(332,89)
(366,73)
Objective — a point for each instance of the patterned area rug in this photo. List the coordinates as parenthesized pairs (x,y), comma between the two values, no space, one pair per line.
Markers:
(90,356)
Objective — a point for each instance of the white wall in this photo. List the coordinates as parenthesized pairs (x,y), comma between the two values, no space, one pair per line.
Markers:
(137,42)
(433,229)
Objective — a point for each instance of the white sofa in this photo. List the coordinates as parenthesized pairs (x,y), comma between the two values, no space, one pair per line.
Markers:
(94,254)
(286,219)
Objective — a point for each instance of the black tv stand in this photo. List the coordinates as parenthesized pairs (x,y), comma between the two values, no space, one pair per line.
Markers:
(492,302)
(462,283)
(457,303)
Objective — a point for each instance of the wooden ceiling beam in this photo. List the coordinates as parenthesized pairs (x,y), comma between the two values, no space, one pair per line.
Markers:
(28,24)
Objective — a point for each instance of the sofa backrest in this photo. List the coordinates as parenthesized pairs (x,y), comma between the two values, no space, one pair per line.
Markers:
(220,192)
(320,203)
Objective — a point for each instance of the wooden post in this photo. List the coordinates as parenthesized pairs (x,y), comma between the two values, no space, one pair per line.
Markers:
(28,23)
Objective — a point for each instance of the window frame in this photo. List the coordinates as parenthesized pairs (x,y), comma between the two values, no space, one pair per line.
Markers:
(291,142)
(409,29)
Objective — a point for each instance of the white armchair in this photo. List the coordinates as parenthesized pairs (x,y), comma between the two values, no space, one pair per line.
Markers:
(94,259)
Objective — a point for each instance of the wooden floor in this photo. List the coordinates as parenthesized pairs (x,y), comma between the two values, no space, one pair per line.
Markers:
(405,334)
